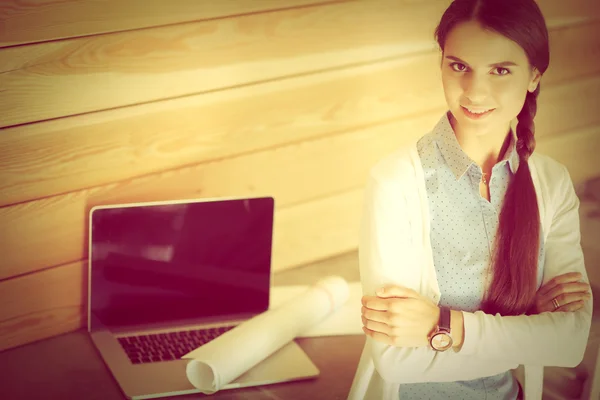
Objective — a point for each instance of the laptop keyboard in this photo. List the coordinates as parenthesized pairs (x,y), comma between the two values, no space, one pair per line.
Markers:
(167,346)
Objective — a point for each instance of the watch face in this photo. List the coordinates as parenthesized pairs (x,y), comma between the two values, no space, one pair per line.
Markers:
(441,341)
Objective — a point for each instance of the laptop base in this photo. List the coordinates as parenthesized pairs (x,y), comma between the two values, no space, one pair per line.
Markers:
(169,378)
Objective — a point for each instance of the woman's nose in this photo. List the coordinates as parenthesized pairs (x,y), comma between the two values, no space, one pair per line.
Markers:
(476,89)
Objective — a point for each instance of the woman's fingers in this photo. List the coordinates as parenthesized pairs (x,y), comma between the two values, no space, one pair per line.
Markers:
(566,290)
(375,316)
(572,297)
(570,277)
(376,326)
(570,307)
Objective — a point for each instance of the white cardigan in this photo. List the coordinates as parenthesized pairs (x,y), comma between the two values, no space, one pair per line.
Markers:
(395,248)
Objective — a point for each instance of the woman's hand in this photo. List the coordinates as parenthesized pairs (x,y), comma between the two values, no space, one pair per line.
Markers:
(399,316)
(568,291)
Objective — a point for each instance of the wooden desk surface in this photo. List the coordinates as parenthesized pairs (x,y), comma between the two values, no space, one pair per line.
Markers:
(68,366)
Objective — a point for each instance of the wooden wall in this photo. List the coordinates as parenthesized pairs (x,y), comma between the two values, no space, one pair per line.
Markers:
(121,101)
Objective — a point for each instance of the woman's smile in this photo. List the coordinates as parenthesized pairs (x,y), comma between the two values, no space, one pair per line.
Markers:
(476,114)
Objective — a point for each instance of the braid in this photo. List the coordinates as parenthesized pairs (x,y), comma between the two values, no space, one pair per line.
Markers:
(526,126)
(515,265)
(515,257)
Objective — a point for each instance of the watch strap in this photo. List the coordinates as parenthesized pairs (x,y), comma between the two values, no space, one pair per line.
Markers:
(444,322)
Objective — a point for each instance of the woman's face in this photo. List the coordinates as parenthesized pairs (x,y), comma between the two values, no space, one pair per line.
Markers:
(471,80)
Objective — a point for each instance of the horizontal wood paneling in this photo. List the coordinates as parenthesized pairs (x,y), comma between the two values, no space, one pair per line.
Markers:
(292,174)
(320,228)
(577,150)
(44,21)
(41,325)
(25,23)
(44,304)
(571,105)
(51,231)
(61,294)
(323,228)
(294,228)
(62,156)
(568,13)
(570,47)
(297,103)
(65,155)
(102,72)
(70,77)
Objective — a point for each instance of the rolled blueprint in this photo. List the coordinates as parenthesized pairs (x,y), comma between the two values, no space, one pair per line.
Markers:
(222,360)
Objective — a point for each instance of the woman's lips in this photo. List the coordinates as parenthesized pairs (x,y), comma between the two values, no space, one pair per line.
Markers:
(476,116)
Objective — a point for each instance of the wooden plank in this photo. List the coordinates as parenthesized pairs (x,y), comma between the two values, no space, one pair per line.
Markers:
(303,233)
(37,326)
(127,68)
(568,106)
(322,228)
(578,151)
(60,156)
(140,66)
(51,231)
(43,304)
(51,294)
(570,47)
(64,155)
(61,305)
(293,174)
(307,232)
(26,23)
(567,13)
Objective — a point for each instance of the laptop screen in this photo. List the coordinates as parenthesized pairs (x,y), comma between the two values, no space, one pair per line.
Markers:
(172,262)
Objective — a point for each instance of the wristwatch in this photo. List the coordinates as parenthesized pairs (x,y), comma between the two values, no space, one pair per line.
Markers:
(440,339)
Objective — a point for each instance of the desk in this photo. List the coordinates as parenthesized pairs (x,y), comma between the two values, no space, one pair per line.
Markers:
(68,366)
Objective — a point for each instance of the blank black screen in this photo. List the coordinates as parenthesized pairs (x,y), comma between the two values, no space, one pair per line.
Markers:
(160,263)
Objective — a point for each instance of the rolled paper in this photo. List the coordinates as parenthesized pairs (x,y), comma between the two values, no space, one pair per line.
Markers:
(222,360)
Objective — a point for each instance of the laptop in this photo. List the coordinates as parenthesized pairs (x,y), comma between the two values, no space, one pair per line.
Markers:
(167,277)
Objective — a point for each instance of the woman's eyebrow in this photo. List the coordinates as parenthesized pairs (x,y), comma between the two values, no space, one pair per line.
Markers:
(500,64)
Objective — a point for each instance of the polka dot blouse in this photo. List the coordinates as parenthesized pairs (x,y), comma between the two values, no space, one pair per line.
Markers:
(463,229)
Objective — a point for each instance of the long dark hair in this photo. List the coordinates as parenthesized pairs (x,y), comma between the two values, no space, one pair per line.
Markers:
(515,257)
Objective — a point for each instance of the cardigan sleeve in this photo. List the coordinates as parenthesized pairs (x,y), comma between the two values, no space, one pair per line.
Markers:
(387,253)
(550,338)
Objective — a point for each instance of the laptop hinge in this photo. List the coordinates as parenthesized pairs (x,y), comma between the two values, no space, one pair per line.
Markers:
(187,324)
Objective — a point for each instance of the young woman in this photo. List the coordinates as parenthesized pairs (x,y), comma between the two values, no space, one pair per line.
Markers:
(461,228)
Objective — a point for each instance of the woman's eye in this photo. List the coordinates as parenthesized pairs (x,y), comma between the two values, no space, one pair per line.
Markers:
(458,67)
(453,65)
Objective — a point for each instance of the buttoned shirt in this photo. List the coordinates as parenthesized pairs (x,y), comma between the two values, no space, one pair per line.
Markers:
(396,246)
(463,230)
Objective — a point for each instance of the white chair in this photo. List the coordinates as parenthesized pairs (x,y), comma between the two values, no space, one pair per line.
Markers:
(591,387)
